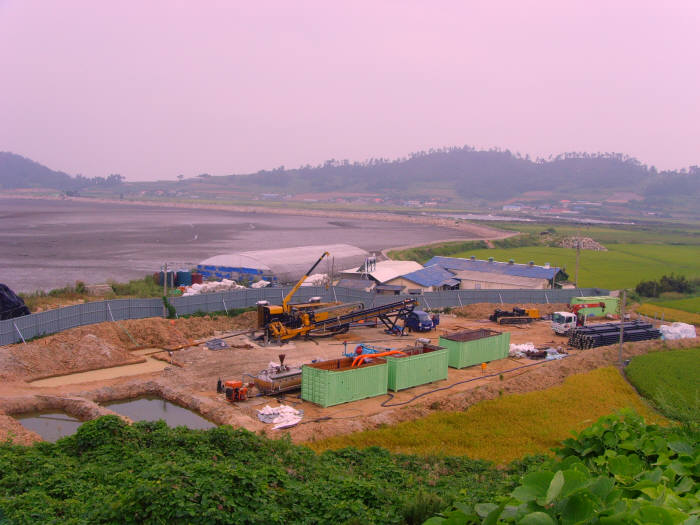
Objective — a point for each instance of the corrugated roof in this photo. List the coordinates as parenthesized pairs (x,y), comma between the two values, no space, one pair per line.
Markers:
(388,270)
(504,268)
(498,278)
(431,276)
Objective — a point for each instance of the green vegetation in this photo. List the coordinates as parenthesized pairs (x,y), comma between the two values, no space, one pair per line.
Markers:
(689,304)
(671,380)
(423,253)
(145,288)
(625,234)
(622,266)
(667,283)
(111,472)
(668,314)
(509,427)
(618,471)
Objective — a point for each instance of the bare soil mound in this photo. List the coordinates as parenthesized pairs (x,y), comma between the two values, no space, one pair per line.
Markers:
(108,344)
(483,310)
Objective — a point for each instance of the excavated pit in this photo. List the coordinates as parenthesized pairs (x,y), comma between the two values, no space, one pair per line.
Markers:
(51,426)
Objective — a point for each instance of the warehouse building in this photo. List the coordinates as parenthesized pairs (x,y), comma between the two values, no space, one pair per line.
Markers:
(380,272)
(428,279)
(475,274)
(283,265)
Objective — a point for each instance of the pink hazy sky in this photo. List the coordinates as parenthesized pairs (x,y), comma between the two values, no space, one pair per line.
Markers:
(152,89)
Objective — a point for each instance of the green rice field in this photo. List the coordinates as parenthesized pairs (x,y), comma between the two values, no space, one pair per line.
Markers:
(622,266)
(690,304)
(670,380)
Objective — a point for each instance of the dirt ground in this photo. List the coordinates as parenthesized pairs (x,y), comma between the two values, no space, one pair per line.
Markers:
(191,372)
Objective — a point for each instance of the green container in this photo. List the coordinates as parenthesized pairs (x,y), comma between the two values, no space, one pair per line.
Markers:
(333,382)
(472,347)
(422,365)
(612,305)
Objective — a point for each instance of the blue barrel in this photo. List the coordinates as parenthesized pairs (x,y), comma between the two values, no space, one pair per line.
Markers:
(171,279)
(184,278)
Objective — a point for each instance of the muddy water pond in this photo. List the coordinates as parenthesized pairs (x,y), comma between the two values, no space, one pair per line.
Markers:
(51,426)
(155,408)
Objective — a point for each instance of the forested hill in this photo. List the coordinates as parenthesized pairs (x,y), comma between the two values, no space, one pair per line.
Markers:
(466,173)
(491,175)
(20,172)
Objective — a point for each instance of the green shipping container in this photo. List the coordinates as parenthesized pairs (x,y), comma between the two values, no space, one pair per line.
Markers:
(472,347)
(333,382)
(612,305)
(423,364)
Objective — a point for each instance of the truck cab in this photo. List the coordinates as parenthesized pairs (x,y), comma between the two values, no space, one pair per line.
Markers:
(419,321)
(563,322)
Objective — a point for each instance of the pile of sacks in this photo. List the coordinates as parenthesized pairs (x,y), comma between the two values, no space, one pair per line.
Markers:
(281,416)
(678,331)
(529,350)
(212,287)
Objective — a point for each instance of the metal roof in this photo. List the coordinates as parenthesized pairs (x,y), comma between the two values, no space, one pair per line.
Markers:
(503,268)
(431,276)
(387,270)
(499,278)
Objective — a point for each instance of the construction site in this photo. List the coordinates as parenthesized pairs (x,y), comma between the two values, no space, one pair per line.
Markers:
(311,368)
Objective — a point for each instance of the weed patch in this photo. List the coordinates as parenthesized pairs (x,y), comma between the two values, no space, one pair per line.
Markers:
(509,427)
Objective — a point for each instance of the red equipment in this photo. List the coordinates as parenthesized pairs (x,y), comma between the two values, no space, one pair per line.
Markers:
(236,390)
(580,318)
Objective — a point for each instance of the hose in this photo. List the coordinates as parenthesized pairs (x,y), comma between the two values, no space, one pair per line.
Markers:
(391,396)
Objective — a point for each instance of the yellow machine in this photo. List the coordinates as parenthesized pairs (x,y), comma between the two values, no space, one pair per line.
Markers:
(287,321)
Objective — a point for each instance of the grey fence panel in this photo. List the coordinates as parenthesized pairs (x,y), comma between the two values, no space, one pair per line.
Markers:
(59,319)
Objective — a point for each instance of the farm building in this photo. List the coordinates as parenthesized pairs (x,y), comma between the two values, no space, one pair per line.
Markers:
(428,279)
(380,272)
(283,265)
(474,273)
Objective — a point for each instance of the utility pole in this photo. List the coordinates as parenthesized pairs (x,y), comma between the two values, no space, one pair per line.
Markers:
(622,325)
(165,287)
(578,255)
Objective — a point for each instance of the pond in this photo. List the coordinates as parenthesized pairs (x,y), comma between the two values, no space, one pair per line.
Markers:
(51,426)
(154,408)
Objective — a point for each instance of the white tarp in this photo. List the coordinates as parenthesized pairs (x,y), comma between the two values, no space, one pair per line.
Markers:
(678,331)
(281,416)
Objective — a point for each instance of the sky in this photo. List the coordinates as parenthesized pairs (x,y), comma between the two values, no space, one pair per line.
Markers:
(154,89)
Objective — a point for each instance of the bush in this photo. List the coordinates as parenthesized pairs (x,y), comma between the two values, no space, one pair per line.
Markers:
(667,283)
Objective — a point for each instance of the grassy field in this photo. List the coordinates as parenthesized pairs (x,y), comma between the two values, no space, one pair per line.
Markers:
(662,234)
(688,304)
(509,427)
(622,266)
(668,314)
(671,380)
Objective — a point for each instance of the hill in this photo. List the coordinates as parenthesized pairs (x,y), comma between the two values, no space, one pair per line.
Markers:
(471,174)
(20,172)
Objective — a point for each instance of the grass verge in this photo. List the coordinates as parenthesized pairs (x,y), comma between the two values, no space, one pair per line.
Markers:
(670,380)
(509,427)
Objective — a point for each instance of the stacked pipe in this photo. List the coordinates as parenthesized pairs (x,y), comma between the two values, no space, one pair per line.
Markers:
(605,334)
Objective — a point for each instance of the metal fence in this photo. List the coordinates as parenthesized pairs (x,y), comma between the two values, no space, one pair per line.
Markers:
(52,321)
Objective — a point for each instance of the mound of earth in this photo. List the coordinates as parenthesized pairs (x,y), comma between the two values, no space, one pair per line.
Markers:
(108,344)
(483,310)
(63,353)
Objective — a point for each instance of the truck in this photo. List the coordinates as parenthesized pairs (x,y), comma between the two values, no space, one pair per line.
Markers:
(563,323)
